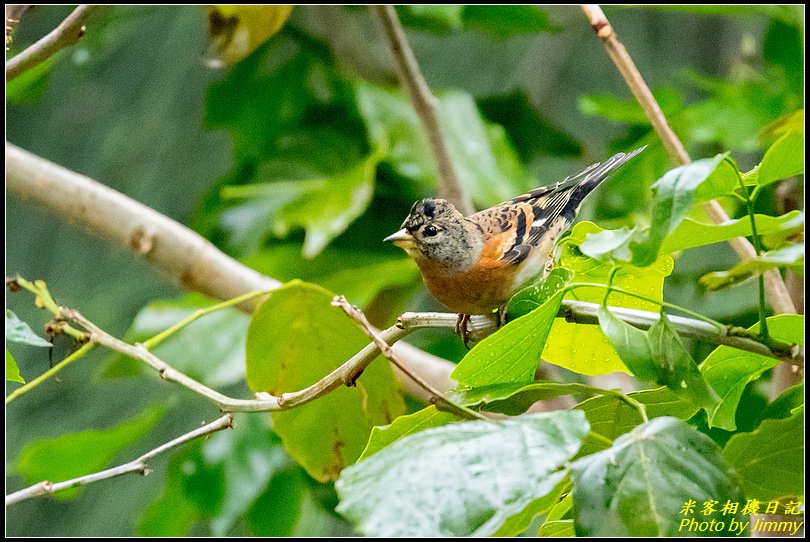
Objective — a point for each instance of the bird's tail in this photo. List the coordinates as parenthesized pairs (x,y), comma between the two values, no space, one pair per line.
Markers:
(564,198)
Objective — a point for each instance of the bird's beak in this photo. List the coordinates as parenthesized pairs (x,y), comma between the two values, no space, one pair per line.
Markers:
(402,239)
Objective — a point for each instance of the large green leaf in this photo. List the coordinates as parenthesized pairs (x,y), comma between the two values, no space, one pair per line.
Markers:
(785,158)
(18,331)
(631,343)
(639,485)
(675,193)
(676,368)
(534,295)
(512,353)
(516,398)
(770,460)
(610,416)
(324,207)
(210,349)
(406,425)
(728,370)
(461,479)
(479,150)
(692,233)
(296,338)
(70,456)
(583,348)
(791,256)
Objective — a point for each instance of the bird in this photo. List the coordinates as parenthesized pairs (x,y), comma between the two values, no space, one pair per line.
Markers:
(474,264)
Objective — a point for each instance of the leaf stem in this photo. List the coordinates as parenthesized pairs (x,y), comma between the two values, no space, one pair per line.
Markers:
(31,384)
(757,242)
(199,313)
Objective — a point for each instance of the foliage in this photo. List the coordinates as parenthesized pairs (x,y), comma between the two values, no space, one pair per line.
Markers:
(298,155)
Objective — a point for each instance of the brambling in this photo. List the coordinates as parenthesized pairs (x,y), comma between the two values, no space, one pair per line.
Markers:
(474,264)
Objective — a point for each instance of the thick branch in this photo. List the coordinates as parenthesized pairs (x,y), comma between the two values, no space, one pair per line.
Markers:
(68,33)
(778,295)
(136,466)
(177,251)
(425,104)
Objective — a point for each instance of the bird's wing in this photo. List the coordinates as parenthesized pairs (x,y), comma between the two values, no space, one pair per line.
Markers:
(514,227)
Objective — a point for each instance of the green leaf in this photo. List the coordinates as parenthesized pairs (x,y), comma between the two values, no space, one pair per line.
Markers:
(676,368)
(692,233)
(785,158)
(18,331)
(431,17)
(211,349)
(555,524)
(479,150)
(585,349)
(610,416)
(248,457)
(631,344)
(406,425)
(296,338)
(512,353)
(172,513)
(784,405)
(462,479)
(518,523)
(728,370)
(638,486)
(534,295)
(674,195)
(770,460)
(337,269)
(506,21)
(323,207)
(12,371)
(516,398)
(557,528)
(70,456)
(30,86)
(609,245)
(279,509)
(628,111)
(791,256)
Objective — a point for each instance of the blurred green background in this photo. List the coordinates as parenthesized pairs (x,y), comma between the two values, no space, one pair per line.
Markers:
(298,160)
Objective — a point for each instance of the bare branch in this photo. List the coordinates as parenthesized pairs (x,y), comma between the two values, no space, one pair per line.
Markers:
(68,33)
(136,466)
(778,295)
(425,104)
(436,397)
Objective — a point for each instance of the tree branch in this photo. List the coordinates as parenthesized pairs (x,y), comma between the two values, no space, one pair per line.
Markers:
(136,466)
(778,295)
(175,250)
(68,33)
(436,397)
(425,104)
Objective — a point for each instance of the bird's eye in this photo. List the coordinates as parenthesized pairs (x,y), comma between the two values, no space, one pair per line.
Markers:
(430,231)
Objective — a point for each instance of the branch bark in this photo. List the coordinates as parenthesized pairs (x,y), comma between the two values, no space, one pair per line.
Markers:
(425,104)
(136,466)
(68,33)
(778,294)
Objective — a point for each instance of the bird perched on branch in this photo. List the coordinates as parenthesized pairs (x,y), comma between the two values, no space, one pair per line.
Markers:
(474,264)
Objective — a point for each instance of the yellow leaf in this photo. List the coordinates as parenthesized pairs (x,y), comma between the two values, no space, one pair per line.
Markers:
(236,31)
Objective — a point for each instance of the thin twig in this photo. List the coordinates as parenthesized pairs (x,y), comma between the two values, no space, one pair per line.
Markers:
(437,397)
(68,33)
(778,295)
(425,104)
(136,466)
